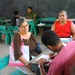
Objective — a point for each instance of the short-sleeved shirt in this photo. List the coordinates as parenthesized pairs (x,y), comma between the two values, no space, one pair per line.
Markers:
(31,42)
(30,15)
(62,64)
(63,31)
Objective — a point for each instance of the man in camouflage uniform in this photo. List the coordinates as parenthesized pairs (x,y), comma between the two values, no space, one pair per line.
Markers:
(30,14)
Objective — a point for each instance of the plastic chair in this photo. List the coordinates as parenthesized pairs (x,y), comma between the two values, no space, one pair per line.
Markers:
(4,62)
(3,30)
(12,30)
(32,27)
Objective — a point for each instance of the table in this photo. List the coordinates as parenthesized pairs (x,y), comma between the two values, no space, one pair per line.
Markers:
(44,52)
(6,21)
(24,70)
(66,40)
(43,27)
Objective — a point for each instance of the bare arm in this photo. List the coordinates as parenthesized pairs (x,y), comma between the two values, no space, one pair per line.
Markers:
(17,45)
(40,63)
(73,30)
(42,71)
(17,52)
(53,27)
(24,61)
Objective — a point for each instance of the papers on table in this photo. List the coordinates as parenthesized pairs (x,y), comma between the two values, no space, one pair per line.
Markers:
(65,39)
(41,24)
(29,20)
(43,56)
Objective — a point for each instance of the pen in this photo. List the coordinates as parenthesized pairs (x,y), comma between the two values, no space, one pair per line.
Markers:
(52,54)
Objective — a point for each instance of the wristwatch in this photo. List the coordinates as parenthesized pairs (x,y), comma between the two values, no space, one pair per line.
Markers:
(26,63)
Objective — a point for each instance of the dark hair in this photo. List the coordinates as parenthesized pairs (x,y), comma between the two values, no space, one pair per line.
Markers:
(50,38)
(30,7)
(16,12)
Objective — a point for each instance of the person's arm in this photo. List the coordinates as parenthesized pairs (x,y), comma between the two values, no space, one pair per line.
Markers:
(27,16)
(17,46)
(41,67)
(53,27)
(24,61)
(42,70)
(33,38)
(39,50)
(73,30)
(52,55)
(17,52)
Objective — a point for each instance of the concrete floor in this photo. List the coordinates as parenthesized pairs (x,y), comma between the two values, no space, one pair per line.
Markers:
(4,50)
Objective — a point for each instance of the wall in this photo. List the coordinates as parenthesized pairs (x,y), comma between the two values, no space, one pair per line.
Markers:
(44,8)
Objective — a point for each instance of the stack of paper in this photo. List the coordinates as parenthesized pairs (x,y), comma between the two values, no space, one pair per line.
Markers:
(41,24)
(65,39)
(43,56)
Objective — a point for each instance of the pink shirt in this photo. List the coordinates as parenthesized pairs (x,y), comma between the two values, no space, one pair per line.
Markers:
(63,62)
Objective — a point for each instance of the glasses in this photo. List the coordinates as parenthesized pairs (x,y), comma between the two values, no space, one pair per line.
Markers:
(24,26)
(62,15)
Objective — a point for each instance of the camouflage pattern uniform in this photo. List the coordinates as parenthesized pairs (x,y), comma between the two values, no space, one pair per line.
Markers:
(31,15)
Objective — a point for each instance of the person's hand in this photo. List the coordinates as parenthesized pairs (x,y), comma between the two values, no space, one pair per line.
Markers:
(52,55)
(28,66)
(42,61)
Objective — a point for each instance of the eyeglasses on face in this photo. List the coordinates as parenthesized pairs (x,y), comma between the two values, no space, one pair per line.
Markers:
(24,26)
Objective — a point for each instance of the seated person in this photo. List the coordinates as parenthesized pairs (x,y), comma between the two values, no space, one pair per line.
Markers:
(30,14)
(64,62)
(16,17)
(63,26)
(28,40)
